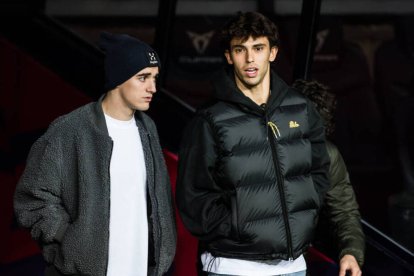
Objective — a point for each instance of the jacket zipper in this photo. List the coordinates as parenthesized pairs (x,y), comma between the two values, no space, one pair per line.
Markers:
(155,218)
(109,206)
(273,136)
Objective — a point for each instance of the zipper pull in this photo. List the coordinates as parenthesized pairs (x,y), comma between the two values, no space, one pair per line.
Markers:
(265,119)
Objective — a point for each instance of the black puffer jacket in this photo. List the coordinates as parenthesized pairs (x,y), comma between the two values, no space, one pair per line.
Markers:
(251,179)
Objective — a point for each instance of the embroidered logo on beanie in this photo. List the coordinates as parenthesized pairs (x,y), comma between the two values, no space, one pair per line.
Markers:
(153,58)
(125,56)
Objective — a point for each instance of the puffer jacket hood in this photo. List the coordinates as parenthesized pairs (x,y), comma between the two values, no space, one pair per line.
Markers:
(225,89)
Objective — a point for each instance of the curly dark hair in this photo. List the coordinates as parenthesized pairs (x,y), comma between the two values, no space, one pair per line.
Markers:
(253,24)
(324,100)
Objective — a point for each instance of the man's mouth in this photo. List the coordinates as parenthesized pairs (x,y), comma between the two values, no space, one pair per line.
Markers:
(251,72)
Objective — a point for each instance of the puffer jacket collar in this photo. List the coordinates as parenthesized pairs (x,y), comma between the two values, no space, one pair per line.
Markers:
(226,90)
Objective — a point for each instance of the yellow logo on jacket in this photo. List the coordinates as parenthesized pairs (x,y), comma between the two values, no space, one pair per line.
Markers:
(293,124)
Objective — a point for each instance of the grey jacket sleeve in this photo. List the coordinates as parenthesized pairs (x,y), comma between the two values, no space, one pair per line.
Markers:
(37,202)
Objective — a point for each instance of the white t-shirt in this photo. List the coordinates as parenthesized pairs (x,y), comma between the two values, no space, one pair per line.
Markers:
(230,266)
(128,224)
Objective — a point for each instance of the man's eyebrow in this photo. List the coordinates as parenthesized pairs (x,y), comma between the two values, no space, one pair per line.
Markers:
(238,45)
(143,75)
(244,46)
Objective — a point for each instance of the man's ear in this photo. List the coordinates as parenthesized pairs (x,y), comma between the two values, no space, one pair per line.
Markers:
(228,57)
(273,53)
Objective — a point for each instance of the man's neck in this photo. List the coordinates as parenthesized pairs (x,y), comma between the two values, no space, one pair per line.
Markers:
(259,96)
(259,93)
(114,107)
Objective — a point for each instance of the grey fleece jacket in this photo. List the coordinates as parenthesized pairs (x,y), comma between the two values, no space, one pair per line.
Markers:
(63,195)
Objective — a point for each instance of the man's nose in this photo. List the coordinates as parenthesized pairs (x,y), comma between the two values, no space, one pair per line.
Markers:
(152,87)
(249,56)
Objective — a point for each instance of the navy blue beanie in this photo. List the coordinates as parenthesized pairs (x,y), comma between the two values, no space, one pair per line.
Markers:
(124,57)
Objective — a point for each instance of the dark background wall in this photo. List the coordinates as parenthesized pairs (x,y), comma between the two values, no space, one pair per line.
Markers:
(364,51)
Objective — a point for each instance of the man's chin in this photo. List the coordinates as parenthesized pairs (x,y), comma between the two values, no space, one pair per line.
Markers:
(142,107)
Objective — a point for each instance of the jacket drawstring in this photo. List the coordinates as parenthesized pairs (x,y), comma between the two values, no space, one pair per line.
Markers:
(274,129)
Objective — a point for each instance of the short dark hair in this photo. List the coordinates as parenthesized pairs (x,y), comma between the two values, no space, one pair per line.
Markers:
(323,99)
(253,24)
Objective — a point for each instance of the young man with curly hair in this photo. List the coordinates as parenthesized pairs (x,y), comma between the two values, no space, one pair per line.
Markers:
(253,165)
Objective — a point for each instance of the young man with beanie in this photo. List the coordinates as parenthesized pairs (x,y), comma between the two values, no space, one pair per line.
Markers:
(95,191)
(253,165)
